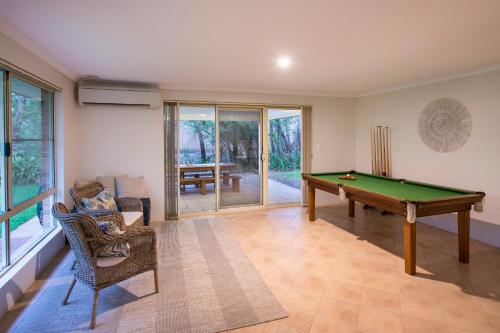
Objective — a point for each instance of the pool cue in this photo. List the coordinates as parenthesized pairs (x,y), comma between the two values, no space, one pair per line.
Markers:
(371,144)
(382,132)
(386,139)
(372,153)
(389,171)
(375,149)
(379,150)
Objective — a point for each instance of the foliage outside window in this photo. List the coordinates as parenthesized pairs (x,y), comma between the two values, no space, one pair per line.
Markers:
(30,118)
(198,145)
(285,150)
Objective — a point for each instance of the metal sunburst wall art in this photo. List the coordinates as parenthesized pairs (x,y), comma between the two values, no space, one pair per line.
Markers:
(445,125)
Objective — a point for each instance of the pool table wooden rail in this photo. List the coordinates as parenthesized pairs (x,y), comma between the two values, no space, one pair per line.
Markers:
(460,204)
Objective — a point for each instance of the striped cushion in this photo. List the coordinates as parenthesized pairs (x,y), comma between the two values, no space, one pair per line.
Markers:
(118,249)
(103,200)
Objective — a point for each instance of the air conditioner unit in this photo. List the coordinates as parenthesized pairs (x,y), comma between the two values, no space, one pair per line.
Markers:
(97,92)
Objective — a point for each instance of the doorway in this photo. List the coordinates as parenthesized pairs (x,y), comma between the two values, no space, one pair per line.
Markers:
(228,156)
(284,126)
(240,151)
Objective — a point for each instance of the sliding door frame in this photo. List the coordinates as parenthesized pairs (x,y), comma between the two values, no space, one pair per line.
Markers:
(264,151)
(261,154)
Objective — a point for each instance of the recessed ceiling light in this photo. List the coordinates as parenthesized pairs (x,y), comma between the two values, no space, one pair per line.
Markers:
(284,62)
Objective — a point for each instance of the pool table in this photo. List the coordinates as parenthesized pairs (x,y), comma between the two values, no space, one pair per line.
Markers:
(403,197)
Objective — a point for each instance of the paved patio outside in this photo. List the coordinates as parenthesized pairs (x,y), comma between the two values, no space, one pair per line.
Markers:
(24,236)
(191,199)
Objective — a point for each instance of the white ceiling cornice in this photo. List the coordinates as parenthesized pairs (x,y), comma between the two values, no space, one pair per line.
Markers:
(256,91)
(20,38)
(483,70)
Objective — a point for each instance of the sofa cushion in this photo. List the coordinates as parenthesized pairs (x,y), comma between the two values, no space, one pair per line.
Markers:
(103,200)
(108,182)
(131,217)
(134,187)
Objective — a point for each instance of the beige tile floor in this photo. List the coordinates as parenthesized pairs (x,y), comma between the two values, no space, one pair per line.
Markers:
(342,274)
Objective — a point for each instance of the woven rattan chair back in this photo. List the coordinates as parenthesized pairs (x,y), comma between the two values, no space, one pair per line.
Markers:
(89,190)
(80,230)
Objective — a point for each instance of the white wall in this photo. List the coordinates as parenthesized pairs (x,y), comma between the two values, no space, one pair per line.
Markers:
(475,166)
(124,140)
(17,281)
(130,141)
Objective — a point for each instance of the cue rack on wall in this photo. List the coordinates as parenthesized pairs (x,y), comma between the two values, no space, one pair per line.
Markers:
(381,150)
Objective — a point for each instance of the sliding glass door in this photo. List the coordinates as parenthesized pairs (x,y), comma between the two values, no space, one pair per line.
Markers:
(197,158)
(232,156)
(284,183)
(240,151)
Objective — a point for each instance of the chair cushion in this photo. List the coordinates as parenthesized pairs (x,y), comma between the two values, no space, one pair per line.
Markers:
(109,261)
(131,217)
(103,200)
(118,249)
(134,187)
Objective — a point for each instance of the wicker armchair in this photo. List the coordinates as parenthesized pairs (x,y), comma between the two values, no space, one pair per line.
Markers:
(86,240)
(94,188)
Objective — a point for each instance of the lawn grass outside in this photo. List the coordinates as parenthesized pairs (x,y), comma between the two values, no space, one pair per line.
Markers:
(291,178)
(21,194)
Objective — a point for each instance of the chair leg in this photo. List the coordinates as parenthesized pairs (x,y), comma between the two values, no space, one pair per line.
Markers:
(94,309)
(157,286)
(69,291)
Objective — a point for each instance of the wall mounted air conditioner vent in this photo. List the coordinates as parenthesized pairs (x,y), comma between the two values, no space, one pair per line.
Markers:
(97,92)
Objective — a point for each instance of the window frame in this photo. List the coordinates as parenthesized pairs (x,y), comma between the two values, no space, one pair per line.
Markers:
(11,210)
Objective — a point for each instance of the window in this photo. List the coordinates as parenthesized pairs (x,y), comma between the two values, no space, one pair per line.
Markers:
(27,184)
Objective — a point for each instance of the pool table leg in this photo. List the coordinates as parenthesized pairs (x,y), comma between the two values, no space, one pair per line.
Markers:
(410,246)
(311,200)
(463,235)
(352,205)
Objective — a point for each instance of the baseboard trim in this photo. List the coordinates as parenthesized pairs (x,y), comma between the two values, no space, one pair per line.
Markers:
(485,232)
(20,277)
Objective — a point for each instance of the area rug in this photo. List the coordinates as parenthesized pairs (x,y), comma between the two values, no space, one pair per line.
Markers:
(207,284)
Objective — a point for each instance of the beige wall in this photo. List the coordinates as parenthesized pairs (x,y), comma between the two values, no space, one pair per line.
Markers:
(124,140)
(128,140)
(474,166)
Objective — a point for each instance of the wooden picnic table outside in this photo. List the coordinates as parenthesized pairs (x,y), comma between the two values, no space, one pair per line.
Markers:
(197,170)
(206,167)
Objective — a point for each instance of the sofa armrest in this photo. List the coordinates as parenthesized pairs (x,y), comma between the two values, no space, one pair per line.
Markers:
(129,204)
(146,210)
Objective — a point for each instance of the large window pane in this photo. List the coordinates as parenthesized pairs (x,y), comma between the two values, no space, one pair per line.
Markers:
(197,158)
(32,140)
(31,224)
(2,143)
(284,180)
(240,165)
(3,258)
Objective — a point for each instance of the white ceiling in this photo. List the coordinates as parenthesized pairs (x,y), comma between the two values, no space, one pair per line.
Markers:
(348,47)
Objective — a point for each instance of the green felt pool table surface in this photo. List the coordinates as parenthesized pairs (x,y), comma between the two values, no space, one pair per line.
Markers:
(408,190)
